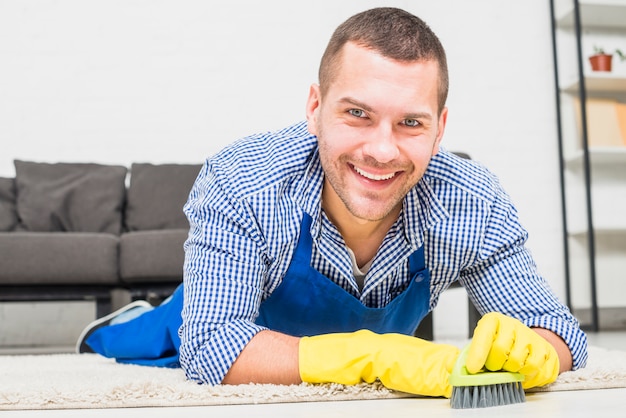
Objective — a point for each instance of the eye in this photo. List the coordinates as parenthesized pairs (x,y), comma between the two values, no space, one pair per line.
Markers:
(412,123)
(357,113)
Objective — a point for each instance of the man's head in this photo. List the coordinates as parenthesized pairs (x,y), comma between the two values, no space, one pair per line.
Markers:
(378,116)
(394,34)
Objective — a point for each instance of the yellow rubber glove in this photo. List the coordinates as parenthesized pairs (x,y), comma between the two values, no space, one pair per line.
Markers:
(504,343)
(400,362)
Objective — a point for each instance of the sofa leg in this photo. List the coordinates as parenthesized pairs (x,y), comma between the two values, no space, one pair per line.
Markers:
(120,298)
(425,328)
(103,307)
(473,318)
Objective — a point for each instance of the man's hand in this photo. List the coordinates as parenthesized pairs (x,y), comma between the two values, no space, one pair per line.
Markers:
(504,343)
(400,362)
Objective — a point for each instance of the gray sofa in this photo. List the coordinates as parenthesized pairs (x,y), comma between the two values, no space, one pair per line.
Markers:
(72,231)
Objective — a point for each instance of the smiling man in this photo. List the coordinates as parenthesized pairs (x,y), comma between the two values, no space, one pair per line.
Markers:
(378,123)
(314,252)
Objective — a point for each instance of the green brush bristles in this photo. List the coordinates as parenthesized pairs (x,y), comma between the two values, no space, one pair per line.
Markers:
(484,389)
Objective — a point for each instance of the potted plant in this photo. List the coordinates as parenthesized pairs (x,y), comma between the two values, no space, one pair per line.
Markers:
(602,61)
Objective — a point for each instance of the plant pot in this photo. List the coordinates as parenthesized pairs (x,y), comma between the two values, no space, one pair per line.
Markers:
(601,62)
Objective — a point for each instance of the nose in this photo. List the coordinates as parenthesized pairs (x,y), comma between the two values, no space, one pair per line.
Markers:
(382,146)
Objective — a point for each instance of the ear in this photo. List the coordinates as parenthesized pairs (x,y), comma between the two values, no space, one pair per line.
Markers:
(441,127)
(312,108)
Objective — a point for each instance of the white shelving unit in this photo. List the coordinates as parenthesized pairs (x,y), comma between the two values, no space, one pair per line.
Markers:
(594,177)
(599,84)
(593,14)
(611,158)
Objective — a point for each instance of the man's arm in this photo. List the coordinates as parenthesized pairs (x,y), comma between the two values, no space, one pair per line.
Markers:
(505,279)
(400,362)
(272,357)
(269,357)
(565,355)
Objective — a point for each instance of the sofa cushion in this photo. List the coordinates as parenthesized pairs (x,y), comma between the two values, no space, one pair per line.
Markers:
(8,211)
(152,256)
(157,194)
(75,197)
(51,258)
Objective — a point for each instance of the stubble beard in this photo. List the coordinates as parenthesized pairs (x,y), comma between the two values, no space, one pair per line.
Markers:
(368,205)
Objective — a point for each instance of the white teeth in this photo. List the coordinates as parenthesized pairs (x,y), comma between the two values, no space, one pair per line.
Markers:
(373,176)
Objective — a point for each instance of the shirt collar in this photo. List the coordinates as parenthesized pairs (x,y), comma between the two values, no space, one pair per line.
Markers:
(421,211)
(421,207)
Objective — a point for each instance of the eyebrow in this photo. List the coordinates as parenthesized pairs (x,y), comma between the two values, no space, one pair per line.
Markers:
(353,101)
(356,103)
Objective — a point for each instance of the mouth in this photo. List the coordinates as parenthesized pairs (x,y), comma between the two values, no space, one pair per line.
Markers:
(374,176)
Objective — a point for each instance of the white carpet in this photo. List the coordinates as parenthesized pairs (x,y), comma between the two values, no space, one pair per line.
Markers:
(69,381)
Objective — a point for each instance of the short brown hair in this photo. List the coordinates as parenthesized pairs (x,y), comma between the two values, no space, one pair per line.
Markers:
(392,32)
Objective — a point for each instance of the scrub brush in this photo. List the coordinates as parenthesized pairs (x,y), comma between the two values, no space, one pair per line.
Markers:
(484,388)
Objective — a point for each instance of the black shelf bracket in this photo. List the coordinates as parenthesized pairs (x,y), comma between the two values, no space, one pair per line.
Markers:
(582,95)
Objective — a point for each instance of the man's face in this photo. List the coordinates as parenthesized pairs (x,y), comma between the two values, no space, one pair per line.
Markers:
(377,128)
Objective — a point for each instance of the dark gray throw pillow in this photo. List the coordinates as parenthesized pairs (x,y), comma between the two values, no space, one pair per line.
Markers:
(8,211)
(157,194)
(77,197)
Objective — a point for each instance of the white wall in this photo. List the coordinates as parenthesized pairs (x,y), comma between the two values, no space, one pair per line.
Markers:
(119,81)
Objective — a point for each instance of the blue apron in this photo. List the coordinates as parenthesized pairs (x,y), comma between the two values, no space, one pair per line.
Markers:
(309,303)
(305,303)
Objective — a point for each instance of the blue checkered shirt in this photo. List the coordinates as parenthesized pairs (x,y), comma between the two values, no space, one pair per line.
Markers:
(245,211)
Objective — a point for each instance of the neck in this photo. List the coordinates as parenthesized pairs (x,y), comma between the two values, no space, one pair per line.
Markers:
(362,236)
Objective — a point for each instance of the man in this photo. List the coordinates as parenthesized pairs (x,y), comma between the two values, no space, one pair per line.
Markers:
(315,251)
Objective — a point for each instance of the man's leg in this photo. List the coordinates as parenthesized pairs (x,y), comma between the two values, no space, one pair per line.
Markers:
(148,339)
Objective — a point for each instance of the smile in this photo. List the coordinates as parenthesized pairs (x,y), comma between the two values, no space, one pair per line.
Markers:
(376,177)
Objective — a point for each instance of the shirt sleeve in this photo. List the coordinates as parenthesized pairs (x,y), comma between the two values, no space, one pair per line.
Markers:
(223,281)
(505,279)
